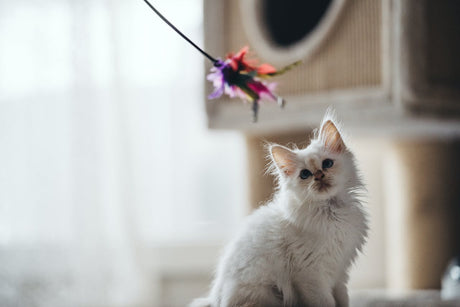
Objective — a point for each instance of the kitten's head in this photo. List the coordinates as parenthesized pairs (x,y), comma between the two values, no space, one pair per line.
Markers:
(320,171)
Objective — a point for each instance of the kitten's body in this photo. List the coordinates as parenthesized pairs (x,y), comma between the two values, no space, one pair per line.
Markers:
(296,250)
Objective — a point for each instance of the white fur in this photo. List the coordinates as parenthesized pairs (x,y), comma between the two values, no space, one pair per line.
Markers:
(297,249)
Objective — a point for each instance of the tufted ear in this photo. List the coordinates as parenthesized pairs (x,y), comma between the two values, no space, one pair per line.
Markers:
(330,136)
(284,159)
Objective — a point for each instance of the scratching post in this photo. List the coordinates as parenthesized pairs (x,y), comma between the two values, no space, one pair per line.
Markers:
(422,211)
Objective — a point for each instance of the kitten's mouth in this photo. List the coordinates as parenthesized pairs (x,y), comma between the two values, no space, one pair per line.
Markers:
(321,186)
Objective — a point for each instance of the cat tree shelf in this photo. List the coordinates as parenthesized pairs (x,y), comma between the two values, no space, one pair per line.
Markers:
(376,62)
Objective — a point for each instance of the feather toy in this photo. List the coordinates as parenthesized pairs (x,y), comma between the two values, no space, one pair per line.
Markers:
(238,77)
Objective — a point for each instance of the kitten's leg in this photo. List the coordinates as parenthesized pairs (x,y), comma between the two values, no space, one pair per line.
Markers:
(315,294)
(239,301)
(249,296)
(340,293)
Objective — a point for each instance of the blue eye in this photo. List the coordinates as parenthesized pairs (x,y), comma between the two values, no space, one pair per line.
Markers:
(304,174)
(327,163)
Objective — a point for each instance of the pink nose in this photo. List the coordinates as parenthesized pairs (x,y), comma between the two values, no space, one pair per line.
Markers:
(319,175)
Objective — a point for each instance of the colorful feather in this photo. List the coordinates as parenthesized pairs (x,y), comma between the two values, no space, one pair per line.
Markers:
(238,77)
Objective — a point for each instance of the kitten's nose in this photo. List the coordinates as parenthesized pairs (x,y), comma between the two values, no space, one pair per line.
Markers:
(319,175)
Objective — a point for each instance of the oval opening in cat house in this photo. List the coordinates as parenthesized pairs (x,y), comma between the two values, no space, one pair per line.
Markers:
(286,31)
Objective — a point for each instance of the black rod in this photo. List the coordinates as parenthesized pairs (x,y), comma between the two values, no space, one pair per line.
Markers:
(180,33)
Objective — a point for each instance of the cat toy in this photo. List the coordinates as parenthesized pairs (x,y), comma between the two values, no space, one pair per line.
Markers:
(238,77)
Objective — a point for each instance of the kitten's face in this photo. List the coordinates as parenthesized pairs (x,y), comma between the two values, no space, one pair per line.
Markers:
(319,171)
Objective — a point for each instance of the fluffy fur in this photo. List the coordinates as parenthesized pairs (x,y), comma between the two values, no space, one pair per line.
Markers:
(297,249)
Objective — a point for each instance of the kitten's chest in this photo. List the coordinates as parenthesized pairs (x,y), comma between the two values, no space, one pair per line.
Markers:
(328,248)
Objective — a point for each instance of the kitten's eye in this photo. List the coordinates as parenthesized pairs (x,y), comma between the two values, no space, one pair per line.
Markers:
(327,163)
(304,174)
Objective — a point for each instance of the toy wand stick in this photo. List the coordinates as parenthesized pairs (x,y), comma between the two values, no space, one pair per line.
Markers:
(212,59)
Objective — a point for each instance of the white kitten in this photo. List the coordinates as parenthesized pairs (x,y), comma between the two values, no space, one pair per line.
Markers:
(296,250)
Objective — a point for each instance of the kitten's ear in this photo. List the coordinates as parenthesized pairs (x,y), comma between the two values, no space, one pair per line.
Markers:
(330,136)
(284,159)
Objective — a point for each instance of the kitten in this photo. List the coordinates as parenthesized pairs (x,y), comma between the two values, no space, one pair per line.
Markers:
(297,249)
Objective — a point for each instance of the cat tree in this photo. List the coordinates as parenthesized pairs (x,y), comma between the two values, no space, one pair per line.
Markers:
(389,68)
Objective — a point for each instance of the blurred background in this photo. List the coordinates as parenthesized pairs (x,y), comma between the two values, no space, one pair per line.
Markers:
(105,156)
(120,182)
